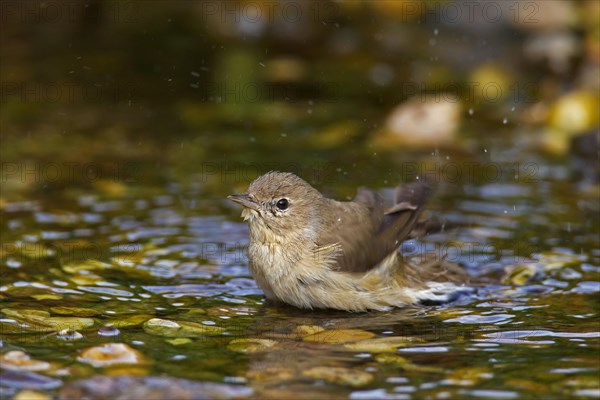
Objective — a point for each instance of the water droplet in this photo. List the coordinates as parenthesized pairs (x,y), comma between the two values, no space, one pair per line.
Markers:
(436,31)
(471,111)
(505,120)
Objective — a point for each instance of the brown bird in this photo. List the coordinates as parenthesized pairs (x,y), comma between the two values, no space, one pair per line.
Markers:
(313,252)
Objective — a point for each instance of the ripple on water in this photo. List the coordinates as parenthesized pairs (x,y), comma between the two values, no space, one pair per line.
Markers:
(481,319)
(522,336)
(28,379)
(107,206)
(535,289)
(239,287)
(503,190)
(234,270)
(144,233)
(488,232)
(21,206)
(588,393)
(425,349)
(191,288)
(486,207)
(55,235)
(377,394)
(494,394)
(586,287)
(52,218)
(105,290)
(571,370)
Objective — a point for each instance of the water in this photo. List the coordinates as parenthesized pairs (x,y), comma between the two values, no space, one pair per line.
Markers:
(124,126)
(162,269)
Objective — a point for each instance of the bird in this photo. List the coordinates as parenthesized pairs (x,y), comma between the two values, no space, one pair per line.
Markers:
(313,252)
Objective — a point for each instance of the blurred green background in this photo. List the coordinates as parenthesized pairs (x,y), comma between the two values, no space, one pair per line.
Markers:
(175,90)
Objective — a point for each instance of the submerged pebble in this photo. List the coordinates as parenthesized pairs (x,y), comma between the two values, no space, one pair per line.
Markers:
(250,345)
(340,376)
(110,354)
(404,363)
(27,394)
(382,345)
(17,360)
(339,336)
(44,322)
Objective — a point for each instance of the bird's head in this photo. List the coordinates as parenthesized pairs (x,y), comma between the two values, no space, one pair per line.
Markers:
(279,207)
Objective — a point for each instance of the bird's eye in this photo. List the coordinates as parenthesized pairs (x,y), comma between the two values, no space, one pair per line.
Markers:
(283,204)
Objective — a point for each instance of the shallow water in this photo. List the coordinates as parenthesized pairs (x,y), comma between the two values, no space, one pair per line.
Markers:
(135,265)
(124,126)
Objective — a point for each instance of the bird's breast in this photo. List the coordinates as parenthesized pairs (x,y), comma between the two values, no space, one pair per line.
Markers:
(279,269)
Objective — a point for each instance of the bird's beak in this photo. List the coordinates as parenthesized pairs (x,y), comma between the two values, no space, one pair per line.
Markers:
(244,200)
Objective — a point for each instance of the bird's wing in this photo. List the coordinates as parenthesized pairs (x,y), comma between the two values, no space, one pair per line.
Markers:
(366,231)
(352,226)
(400,219)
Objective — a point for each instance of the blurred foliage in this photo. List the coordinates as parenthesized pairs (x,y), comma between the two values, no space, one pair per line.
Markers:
(177,83)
